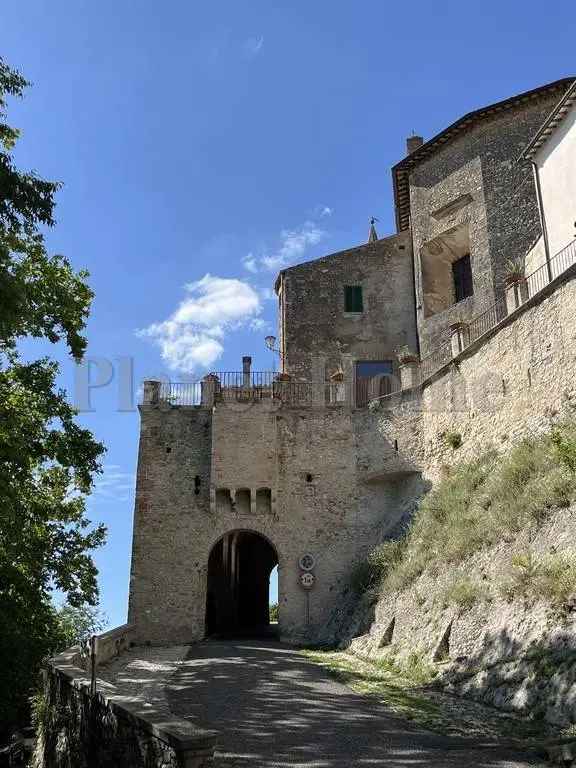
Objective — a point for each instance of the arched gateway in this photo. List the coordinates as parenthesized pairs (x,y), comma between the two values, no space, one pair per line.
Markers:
(239,568)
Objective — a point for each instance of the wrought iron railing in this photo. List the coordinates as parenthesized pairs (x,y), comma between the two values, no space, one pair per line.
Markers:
(181,393)
(243,386)
(488,319)
(435,360)
(480,324)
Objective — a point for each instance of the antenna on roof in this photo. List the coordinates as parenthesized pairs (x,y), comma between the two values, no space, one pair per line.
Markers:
(373,235)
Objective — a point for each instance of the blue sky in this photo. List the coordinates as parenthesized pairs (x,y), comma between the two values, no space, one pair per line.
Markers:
(205,145)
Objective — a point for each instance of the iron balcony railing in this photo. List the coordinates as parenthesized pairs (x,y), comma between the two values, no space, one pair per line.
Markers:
(181,393)
(480,324)
(243,386)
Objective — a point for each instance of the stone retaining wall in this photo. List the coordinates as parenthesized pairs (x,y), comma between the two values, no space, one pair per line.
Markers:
(517,382)
(106,730)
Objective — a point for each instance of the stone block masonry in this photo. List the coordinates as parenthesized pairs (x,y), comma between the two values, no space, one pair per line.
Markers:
(517,382)
(204,474)
(108,729)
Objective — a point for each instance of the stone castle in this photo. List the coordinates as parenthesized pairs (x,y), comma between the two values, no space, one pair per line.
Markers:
(462,323)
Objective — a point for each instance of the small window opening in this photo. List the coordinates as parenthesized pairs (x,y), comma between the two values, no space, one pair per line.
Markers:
(168,450)
(529,377)
(462,274)
(243,499)
(353,301)
(197,482)
(396,445)
(263,501)
(223,500)
(309,478)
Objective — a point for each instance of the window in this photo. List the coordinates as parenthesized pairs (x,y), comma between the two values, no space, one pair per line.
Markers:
(462,274)
(373,380)
(353,298)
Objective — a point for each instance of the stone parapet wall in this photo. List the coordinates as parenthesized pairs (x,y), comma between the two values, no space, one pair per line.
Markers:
(516,383)
(107,730)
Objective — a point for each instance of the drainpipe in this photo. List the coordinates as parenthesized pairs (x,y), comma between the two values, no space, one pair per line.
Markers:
(542,219)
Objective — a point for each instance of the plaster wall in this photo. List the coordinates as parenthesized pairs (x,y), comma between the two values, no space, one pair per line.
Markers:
(556,162)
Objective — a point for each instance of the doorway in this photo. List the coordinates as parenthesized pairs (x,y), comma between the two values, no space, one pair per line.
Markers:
(238,590)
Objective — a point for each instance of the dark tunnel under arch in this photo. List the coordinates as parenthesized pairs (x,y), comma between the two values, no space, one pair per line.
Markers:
(237,598)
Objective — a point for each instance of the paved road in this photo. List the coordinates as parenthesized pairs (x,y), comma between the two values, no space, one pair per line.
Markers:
(275,709)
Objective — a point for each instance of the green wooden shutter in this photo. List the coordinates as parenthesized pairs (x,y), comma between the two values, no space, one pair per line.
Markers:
(353,298)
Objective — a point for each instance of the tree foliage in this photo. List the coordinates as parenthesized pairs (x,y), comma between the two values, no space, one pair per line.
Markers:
(47,461)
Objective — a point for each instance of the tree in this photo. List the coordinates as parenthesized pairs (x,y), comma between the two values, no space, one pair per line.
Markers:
(47,461)
(78,624)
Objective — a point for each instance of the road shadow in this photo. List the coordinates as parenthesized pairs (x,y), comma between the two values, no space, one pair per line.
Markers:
(274,709)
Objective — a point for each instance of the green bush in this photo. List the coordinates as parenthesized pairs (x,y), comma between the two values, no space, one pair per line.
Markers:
(490,498)
(273,612)
(454,439)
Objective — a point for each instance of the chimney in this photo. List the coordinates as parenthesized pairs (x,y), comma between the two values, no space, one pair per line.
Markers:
(246,369)
(413,143)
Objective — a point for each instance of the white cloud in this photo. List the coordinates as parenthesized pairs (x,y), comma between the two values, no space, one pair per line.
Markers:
(192,337)
(325,211)
(253,46)
(113,483)
(250,262)
(293,245)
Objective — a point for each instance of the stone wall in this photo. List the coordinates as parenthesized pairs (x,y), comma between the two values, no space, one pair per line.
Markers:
(513,654)
(325,500)
(517,381)
(475,182)
(79,730)
(514,382)
(314,325)
(171,512)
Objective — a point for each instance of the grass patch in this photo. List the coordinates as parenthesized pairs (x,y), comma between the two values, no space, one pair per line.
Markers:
(551,578)
(465,592)
(478,504)
(398,689)
(382,679)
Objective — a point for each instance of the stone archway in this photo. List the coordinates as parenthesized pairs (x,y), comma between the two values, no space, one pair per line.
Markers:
(237,597)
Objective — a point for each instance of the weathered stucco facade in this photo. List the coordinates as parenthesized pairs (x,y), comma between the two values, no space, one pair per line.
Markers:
(293,469)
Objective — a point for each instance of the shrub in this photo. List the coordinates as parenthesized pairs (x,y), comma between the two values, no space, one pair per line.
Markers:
(370,572)
(273,612)
(564,441)
(454,439)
